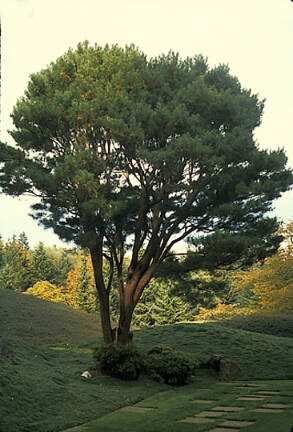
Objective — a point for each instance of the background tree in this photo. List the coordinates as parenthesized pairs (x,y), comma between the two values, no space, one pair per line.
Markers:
(43,268)
(64,264)
(85,292)
(160,306)
(265,287)
(130,154)
(201,289)
(1,252)
(15,270)
(270,285)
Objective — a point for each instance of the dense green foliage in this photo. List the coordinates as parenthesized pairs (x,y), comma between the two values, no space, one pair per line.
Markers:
(135,154)
(161,363)
(42,265)
(86,299)
(119,361)
(21,266)
(167,365)
(15,264)
(159,305)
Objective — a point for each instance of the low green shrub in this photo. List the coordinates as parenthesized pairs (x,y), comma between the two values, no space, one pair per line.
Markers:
(119,361)
(164,364)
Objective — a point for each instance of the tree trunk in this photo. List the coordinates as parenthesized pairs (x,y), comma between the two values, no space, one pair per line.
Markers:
(103,295)
(126,310)
(129,297)
(105,318)
(124,336)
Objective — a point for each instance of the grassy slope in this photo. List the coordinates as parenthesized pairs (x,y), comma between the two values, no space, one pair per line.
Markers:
(41,389)
(42,322)
(268,323)
(258,356)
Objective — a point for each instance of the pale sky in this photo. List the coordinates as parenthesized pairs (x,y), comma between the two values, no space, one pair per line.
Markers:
(253,36)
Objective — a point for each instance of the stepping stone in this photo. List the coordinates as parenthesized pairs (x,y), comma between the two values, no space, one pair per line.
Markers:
(250,398)
(269,393)
(268,410)
(237,423)
(275,405)
(203,401)
(196,420)
(247,388)
(258,395)
(227,408)
(243,388)
(136,409)
(220,429)
(75,429)
(210,414)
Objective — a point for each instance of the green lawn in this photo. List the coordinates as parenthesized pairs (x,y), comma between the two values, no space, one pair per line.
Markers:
(49,345)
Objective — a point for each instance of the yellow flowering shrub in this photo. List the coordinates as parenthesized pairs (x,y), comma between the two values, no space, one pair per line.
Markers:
(47,291)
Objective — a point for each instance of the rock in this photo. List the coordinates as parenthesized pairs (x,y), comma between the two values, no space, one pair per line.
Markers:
(86,374)
(222,366)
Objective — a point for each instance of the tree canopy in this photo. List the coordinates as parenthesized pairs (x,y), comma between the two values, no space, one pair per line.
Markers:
(131,155)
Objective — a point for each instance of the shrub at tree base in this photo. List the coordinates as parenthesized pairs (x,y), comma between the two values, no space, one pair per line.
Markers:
(166,365)
(119,361)
(162,363)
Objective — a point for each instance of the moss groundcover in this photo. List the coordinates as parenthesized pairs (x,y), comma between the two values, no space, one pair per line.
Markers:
(45,347)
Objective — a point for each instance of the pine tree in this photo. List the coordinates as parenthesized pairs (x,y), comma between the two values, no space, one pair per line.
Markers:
(63,265)
(1,252)
(43,268)
(160,306)
(15,272)
(11,273)
(86,298)
(132,155)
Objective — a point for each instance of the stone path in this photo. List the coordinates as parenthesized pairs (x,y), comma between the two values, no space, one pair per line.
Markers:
(234,425)
(210,414)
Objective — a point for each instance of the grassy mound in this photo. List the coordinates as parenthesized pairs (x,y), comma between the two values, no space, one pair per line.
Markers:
(44,348)
(273,324)
(259,356)
(43,322)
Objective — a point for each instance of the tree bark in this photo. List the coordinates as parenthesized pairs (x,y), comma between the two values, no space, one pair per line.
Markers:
(126,310)
(123,331)
(103,294)
(105,318)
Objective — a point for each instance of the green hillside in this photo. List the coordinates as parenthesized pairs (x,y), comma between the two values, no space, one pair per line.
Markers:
(45,346)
